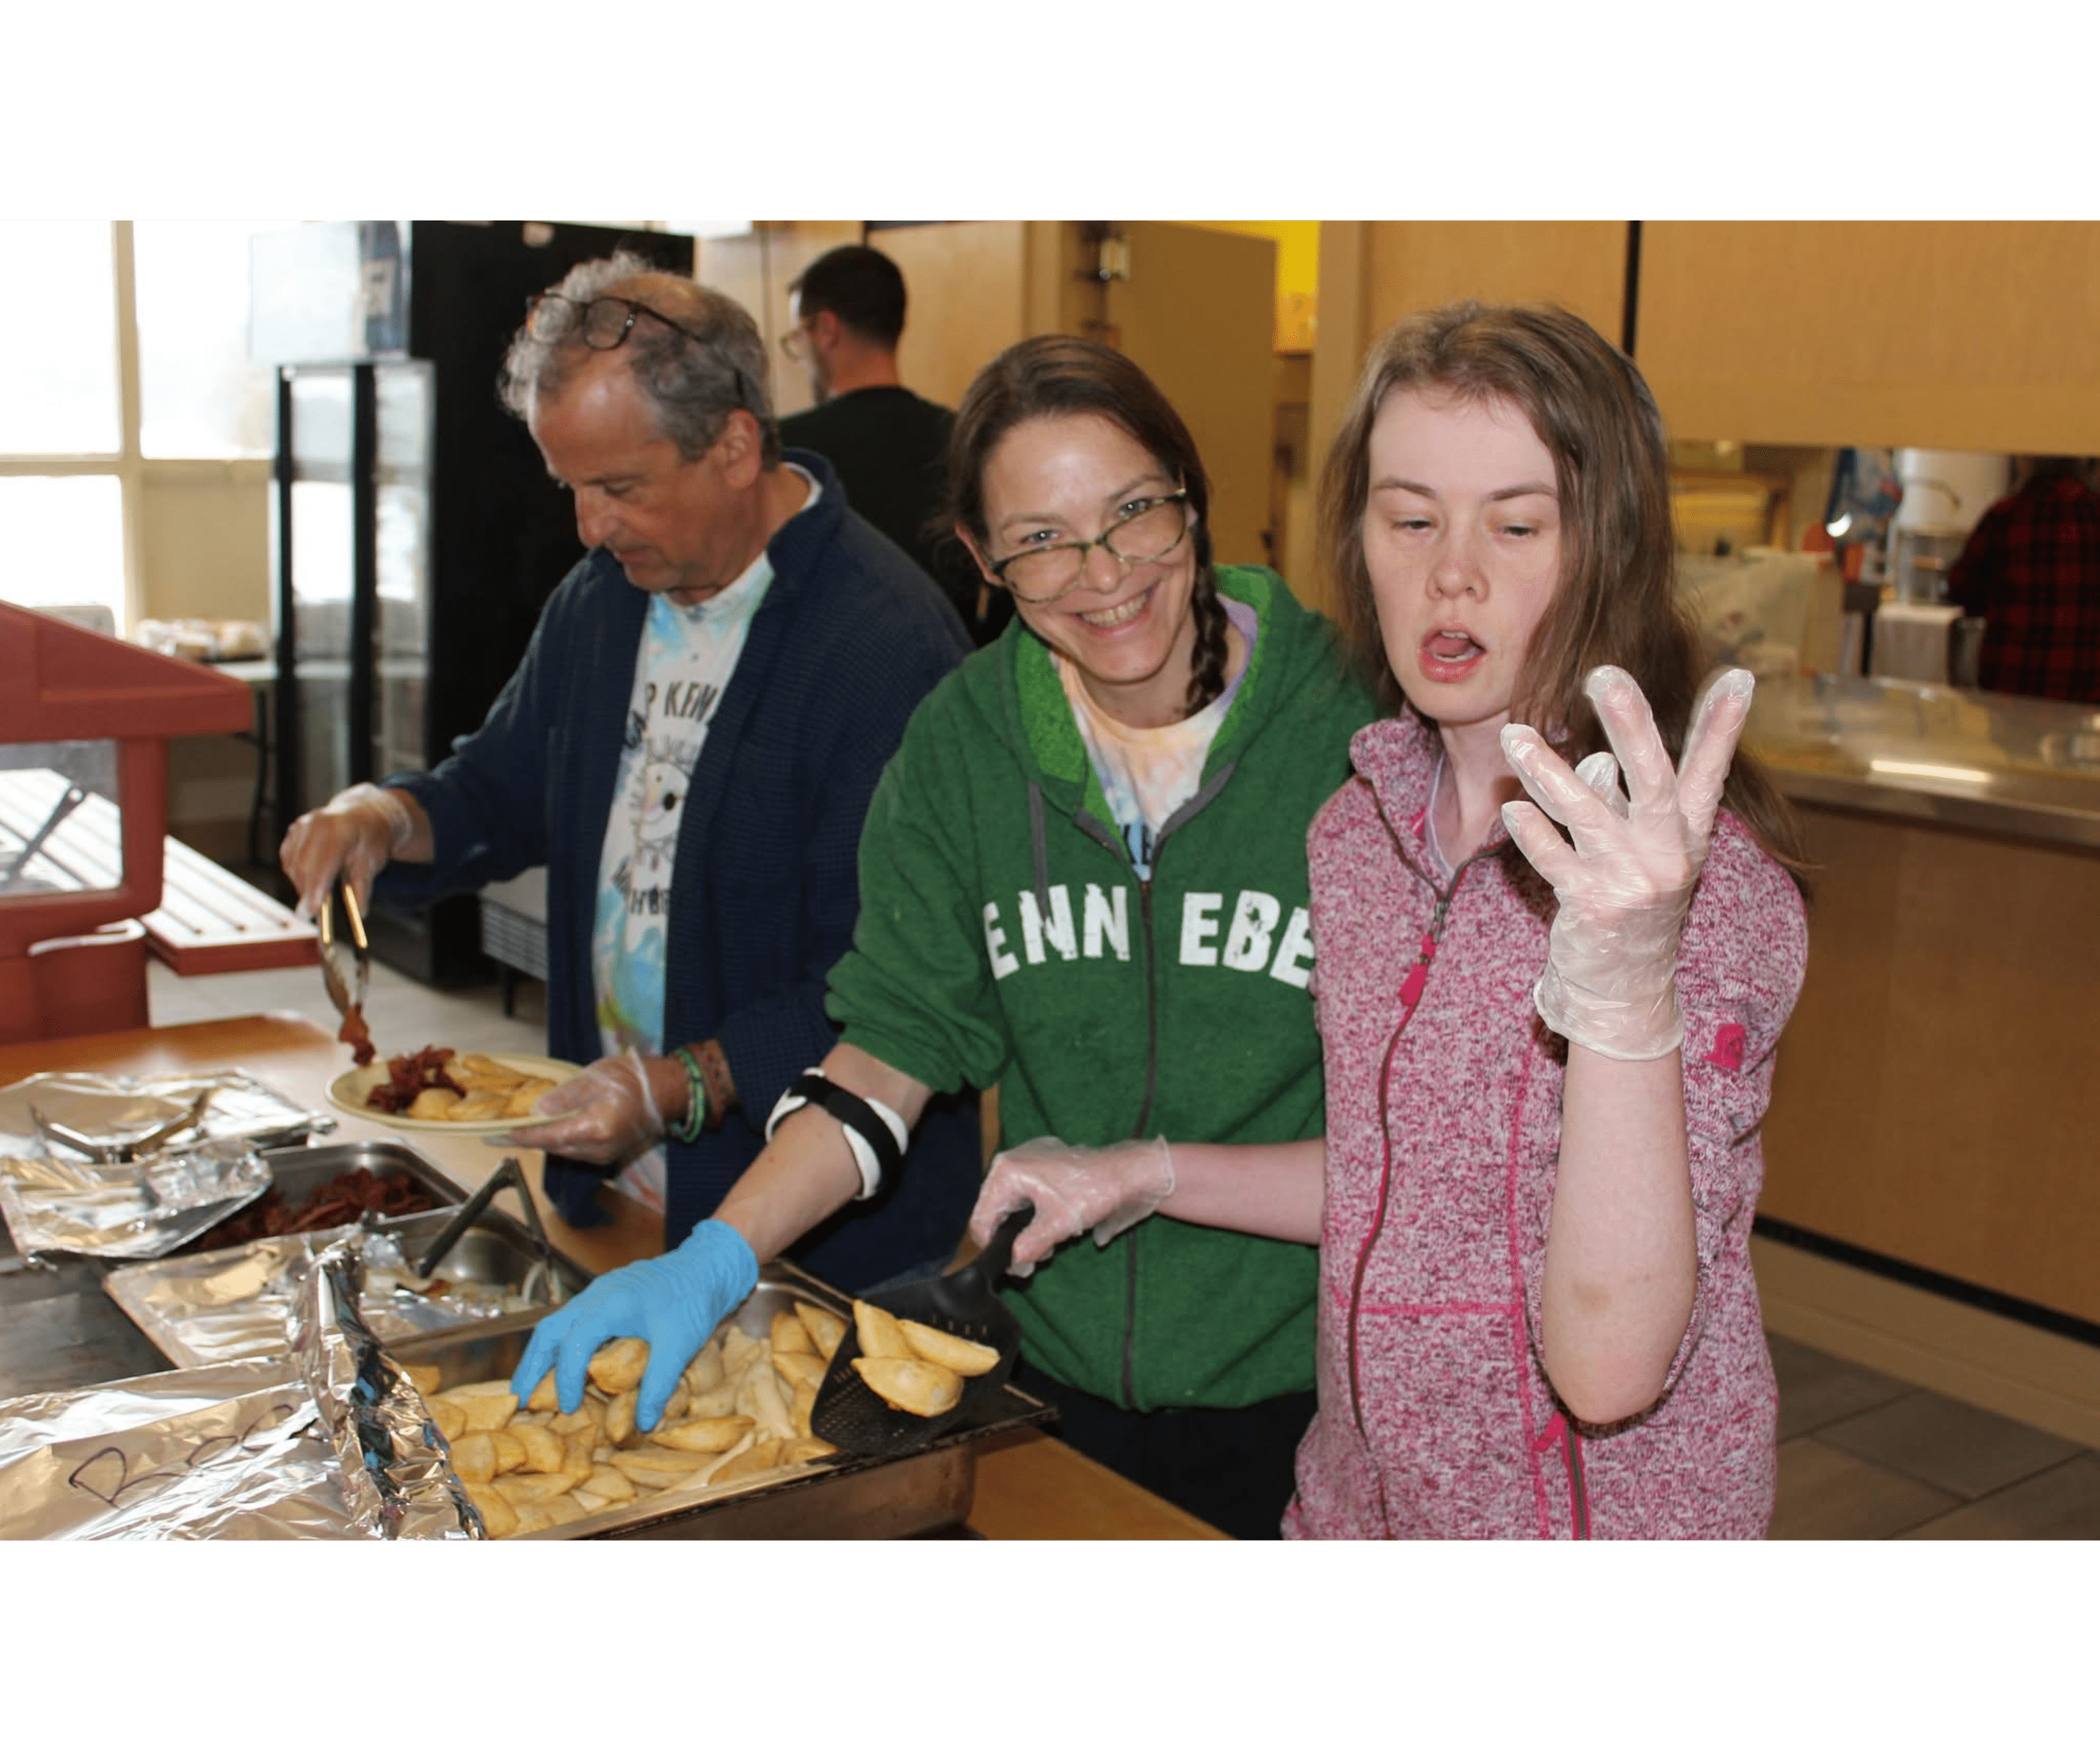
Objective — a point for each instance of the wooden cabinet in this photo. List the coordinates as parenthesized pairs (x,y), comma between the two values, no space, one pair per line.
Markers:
(1928,1101)
(1411,266)
(1967,335)
(966,292)
(1375,272)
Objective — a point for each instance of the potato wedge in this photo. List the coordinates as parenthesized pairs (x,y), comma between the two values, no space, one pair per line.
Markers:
(497,1517)
(619,1418)
(543,1451)
(964,1356)
(473,1455)
(655,1468)
(788,1334)
(824,1327)
(537,1487)
(702,1436)
(807,1448)
(450,1418)
(542,1398)
(509,1447)
(523,1100)
(879,1334)
(487,1404)
(588,1416)
(704,1372)
(762,1456)
(911,1385)
(617,1367)
(799,1369)
(609,1483)
(425,1378)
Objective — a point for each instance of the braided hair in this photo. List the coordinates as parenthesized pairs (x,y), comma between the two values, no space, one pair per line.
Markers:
(1071,375)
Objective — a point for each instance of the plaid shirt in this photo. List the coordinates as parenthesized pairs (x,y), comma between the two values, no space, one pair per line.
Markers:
(2032,567)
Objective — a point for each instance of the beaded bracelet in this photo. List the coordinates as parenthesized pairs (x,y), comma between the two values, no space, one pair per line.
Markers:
(688,1128)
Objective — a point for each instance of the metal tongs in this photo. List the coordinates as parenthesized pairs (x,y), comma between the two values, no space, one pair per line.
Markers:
(511,1173)
(102,1151)
(345,994)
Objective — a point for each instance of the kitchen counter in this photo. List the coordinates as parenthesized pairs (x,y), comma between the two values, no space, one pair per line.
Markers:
(1928,1099)
(1028,1486)
(2017,766)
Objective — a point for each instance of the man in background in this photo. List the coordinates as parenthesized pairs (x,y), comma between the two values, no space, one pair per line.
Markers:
(889,445)
(2031,570)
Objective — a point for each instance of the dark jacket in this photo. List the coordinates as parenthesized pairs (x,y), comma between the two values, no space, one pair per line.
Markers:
(764,894)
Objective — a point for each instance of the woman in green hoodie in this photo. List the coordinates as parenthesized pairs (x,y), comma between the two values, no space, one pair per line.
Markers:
(1084,881)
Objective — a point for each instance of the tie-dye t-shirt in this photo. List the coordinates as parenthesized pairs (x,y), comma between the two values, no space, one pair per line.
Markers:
(1148,773)
(687,655)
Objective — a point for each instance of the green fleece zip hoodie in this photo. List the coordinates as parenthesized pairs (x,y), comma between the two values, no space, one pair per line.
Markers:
(1004,937)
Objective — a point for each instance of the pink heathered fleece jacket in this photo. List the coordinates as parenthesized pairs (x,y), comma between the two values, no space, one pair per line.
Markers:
(1436,1419)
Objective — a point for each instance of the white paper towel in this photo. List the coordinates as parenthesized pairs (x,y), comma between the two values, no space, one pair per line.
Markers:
(1911,641)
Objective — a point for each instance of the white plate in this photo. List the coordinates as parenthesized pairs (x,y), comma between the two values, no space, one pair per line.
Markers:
(347,1093)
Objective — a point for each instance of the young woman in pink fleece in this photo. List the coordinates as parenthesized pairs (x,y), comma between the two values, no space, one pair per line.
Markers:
(1547,1057)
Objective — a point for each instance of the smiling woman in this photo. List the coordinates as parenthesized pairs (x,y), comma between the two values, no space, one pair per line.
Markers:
(1118,606)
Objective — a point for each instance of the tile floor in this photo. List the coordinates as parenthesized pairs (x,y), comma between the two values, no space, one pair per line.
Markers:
(1862,1456)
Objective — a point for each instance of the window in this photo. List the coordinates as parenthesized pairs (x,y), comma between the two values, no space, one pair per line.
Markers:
(131,350)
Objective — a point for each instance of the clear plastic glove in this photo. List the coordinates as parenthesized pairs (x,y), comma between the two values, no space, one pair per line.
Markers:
(672,1303)
(355,835)
(1625,887)
(1072,1189)
(616,1115)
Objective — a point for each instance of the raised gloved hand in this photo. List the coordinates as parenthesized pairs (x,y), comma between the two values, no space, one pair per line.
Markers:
(1626,887)
(673,1303)
(617,1116)
(1072,1189)
(355,835)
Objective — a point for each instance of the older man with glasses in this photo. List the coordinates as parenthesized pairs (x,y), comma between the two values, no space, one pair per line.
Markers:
(689,747)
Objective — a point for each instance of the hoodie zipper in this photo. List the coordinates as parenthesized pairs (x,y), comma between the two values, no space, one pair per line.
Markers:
(1563,1432)
(1144,1118)
(1410,996)
(1100,833)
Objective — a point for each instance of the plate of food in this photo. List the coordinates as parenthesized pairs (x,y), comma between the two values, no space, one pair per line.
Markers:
(438,1088)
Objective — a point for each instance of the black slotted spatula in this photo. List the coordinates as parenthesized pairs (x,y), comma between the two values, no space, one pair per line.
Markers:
(851,1415)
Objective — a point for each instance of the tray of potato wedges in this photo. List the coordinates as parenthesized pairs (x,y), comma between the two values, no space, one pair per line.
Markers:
(733,1456)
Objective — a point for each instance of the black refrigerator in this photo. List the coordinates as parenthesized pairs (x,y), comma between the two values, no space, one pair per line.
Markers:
(415,534)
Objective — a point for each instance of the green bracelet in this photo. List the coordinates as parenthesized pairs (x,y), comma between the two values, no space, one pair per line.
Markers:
(688,1128)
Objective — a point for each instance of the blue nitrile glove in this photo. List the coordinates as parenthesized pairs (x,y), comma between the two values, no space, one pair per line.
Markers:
(674,1303)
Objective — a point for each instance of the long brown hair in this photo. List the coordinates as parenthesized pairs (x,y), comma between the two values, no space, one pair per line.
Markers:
(1070,375)
(1616,600)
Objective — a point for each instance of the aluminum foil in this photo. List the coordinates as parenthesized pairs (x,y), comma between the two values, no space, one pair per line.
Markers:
(332,1445)
(127,1210)
(231,1453)
(237,1302)
(397,1477)
(115,1111)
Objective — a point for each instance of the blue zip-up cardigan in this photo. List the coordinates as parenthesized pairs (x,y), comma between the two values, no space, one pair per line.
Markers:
(765,892)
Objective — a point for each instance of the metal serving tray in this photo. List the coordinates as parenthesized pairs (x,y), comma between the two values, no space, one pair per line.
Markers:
(840,1497)
(300,1172)
(201,1308)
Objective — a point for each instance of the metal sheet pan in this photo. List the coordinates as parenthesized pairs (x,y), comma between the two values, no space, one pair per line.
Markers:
(841,1497)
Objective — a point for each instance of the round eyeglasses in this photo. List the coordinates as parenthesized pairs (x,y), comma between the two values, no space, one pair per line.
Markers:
(1044,572)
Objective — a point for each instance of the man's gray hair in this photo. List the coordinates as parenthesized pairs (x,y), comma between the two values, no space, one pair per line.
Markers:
(692,385)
